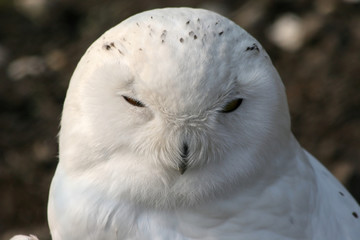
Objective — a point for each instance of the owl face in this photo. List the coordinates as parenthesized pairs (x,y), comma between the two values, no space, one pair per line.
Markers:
(175,91)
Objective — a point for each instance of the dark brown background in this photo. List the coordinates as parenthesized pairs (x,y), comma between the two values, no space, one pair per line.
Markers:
(41,43)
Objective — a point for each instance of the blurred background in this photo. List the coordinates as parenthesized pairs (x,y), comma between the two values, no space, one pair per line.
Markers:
(314,44)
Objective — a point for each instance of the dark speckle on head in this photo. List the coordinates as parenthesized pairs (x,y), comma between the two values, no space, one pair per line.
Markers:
(140,49)
(163,36)
(253,47)
(107,46)
(220,33)
(198,19)
(342,194)
(181,40)
(187,22)
(216,23)
(151,17)
(192,34)
(355,215)
(137,24)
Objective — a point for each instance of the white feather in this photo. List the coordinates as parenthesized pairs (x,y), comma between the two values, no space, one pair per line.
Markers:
(247,177)
(24,237)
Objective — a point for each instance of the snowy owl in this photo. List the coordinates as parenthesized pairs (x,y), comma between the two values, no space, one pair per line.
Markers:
(176,126)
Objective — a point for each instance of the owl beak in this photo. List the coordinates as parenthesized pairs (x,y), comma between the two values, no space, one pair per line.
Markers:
(184,159)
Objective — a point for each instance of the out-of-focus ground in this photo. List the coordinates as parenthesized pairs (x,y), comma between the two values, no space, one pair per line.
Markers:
(315,45)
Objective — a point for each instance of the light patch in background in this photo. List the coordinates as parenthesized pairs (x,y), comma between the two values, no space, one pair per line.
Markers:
(26,66)
(287,32)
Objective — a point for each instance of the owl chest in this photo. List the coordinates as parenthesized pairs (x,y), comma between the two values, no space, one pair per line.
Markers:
(214,224)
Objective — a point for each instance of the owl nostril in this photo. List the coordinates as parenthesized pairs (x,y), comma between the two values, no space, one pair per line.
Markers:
(184,158)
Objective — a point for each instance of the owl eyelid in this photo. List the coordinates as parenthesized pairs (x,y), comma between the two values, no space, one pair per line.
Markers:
(231,106)
(133,101)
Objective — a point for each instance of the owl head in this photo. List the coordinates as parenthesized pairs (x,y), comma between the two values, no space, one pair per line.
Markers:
(170,97)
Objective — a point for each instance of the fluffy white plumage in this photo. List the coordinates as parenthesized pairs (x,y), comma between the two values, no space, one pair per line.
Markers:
(176,126)
(24,237)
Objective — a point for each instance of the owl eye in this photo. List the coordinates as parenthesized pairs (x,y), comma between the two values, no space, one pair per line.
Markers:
(232,106)
(134,102)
